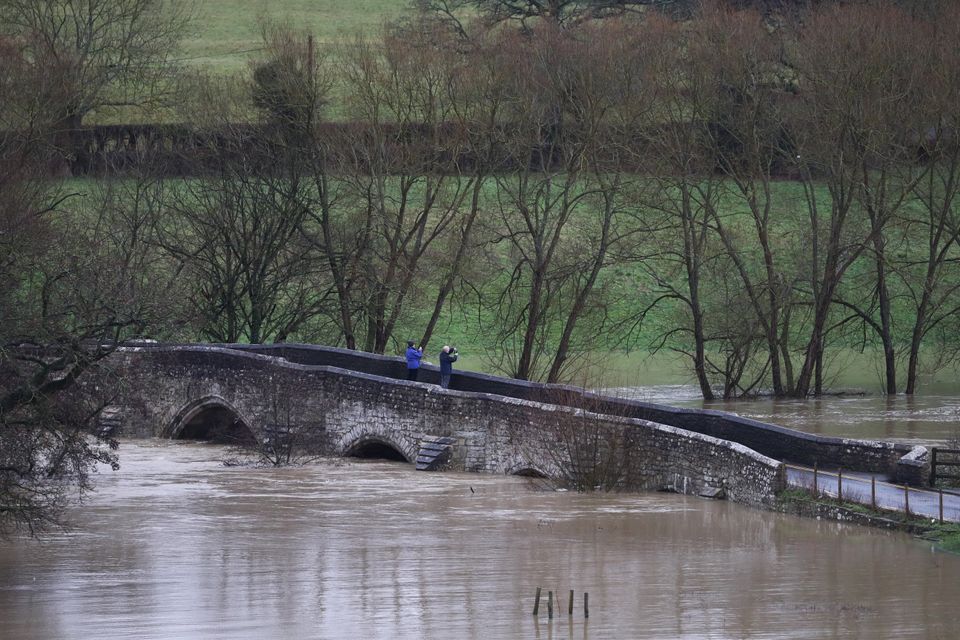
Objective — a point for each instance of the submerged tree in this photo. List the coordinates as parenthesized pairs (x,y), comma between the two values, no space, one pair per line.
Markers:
(863,78)
(934,223)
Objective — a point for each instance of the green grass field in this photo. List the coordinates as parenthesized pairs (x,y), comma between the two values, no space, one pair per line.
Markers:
(226,32)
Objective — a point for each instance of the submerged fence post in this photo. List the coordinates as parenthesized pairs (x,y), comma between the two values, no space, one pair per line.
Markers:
(570,606)
(586,604)
(550,604)
(536,603)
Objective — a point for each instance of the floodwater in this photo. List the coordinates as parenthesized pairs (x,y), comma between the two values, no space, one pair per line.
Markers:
(924,419)
(858,408)
(176,545)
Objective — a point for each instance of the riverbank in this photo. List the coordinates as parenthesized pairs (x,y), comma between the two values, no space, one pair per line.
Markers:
(944,536)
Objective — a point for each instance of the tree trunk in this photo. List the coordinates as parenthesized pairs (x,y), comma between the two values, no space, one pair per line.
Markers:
(886,322)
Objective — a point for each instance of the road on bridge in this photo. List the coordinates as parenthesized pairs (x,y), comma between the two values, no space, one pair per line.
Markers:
(856,488)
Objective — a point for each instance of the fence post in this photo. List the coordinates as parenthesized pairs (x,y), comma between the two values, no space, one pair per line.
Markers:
(570,606)
(940,491)
(815,480)
(840,485)
(536,603)
(933,466)
(906,499)
(873,492)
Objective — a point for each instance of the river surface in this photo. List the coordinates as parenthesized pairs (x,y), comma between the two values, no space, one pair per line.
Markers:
(176,545)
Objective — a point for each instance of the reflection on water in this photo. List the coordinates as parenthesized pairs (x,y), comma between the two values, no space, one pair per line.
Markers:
(177,546)
(933,418)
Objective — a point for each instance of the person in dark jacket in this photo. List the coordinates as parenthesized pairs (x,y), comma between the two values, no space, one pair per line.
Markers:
(448,355)
(414,355)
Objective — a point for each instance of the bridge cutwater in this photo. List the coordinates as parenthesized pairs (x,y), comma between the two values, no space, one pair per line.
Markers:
(354,403)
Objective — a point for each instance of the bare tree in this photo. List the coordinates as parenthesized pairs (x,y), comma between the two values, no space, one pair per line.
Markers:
(851,123)
(478,93)
(238,235)
(110,53)
(31,494)
(241,231)
(737,59)
(107,55)
(529,14)
(935,224)
(569,124)
(75,283)
(680,158)
(582,450)
(283,441)
(409,191)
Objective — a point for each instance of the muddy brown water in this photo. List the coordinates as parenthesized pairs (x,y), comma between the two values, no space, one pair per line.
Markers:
(175,545)
(933,419)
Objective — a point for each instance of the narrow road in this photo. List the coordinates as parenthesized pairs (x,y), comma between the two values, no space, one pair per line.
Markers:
(891,497)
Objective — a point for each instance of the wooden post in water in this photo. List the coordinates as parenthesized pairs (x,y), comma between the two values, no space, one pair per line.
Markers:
(550,604)
(840,484)
(570,606)
(815,491)
(906,499)
(586,604)
(940,491)
(536,603)
(873,492)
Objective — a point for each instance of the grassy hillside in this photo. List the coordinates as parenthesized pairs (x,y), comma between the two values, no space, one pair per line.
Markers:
(226,31)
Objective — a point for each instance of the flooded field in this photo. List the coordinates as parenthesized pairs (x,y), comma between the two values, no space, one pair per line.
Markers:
(926,418)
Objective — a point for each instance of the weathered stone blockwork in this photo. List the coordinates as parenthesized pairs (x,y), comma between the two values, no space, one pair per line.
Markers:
(164,386)
(771,440)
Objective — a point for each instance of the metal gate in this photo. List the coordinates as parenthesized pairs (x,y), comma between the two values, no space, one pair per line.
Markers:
(944,459)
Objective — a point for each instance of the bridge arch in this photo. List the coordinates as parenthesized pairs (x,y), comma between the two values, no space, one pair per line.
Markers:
(528,469)
(529,472)
(210,419)
(378,445)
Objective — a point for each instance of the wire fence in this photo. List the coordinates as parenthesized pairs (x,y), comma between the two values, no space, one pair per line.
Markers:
(877,494)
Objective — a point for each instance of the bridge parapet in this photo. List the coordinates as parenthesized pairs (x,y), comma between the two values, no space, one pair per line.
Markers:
(771,440)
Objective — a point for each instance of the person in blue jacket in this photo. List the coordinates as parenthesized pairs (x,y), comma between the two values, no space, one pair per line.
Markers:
(414,355)
(448,355)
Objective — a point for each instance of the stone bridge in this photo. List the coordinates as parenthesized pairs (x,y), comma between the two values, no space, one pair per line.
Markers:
(356,403)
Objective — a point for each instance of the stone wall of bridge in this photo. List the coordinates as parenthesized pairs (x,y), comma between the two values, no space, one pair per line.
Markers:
(899,461)
(165,386)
